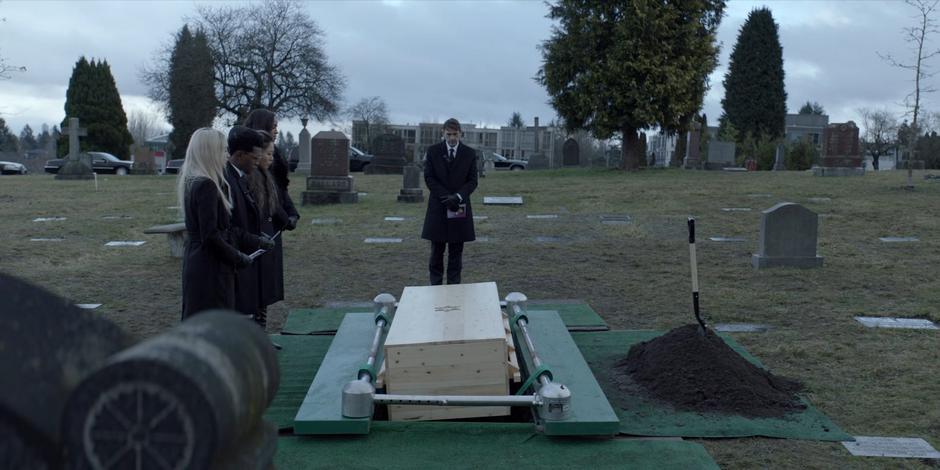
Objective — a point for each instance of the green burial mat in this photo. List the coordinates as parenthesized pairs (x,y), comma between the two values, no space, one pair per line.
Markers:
(426,445)
(645,417)
(299,358)
(578,316)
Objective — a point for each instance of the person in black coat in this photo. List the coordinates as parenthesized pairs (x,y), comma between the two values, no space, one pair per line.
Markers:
(210,257)
(265,120)
(245,148)
(273,220)
(450,172)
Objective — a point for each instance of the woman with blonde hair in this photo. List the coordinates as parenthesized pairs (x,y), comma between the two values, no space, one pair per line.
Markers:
(211,257)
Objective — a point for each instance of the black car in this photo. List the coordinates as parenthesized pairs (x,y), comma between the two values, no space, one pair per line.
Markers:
(173,166)
(101,162)
(358,160)
(502,163)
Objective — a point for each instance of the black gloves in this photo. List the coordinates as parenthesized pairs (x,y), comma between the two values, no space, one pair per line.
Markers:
(243,260)
(291,223)
(265,243)
(452,201)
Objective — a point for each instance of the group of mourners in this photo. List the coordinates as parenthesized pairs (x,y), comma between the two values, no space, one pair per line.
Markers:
(233,191)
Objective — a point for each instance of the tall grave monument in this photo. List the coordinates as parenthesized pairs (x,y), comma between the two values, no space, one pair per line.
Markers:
(329,181)
(303,148)
(841,155)
(77,166)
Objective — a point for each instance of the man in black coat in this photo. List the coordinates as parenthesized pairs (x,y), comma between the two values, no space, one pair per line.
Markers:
(450,171)
(244,147)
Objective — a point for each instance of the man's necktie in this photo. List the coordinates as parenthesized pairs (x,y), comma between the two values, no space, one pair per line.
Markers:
(451,157)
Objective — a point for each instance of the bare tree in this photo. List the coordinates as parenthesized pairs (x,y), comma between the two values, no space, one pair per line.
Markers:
(266,55)
(373,113)
(144,125)
(5,68)
(880,137)
(924,25)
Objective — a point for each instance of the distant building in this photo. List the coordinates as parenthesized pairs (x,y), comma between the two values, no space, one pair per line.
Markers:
(507,141)
(810,127)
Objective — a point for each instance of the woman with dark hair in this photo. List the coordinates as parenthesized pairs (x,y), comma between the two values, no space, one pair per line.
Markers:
(265,120)
(273,219)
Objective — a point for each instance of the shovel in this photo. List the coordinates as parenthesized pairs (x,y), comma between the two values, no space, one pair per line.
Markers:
(695,308)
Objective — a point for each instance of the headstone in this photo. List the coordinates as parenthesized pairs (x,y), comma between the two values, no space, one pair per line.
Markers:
(411,185)
(46,239)
(841,155)
(819,200)
(692,157)
(324,221)
(903,447)
(77,166)
(542,216)
(389,151)
(720,155)
(902,323)
(735,209)
(503,200)
(88,306)
(727,239)
(48,219)
(481,217)
(571,153)
(615,219)
(303,149)
(329,181)
(788,234)
(779,164)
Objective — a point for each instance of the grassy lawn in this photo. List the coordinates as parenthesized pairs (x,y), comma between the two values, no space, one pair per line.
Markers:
(872,382)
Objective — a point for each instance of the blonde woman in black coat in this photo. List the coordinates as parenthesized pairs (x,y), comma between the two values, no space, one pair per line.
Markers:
(211,257)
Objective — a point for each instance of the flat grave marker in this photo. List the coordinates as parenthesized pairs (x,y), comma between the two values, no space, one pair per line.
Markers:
(615,219)
(49,219)
(819,200)
(125,243)
(503,200)
(53,239)
(481,217)
(899,239)
(116,217)
(735,209)
(88,306)
(542,216)
(903,447)
(541,239)
(893,322)
(483,239)
(741,328)
(394,219)
(727,239)
(760,195)
(324,221)
(382,240)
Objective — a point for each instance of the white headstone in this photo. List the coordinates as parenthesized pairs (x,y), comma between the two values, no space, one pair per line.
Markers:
(892,322)
(904,447)
(125,243)
(383,240)
(503,200)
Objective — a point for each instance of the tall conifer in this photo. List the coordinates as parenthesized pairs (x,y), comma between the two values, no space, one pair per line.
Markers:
(192,102)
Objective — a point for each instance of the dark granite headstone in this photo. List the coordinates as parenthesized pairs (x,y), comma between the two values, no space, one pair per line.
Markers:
(720,155)
(571,153)
(538,161)
(779,155)
(304,150)
(841,154)
(788,235)
(329,180)
(389,151)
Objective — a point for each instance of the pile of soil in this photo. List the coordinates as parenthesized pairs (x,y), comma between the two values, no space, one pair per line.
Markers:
(700,373)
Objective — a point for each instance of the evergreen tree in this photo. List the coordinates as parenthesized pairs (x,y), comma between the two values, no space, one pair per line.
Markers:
(27,138)
(621,66)
(44,137)
(93,98)
(812,107)
(755,101)
(192,103)
(8,140)
(516,121)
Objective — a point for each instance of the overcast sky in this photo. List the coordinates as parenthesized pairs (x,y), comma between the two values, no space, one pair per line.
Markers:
(430,60)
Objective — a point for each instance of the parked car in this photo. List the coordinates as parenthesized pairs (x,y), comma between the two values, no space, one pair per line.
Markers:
(502,163)
(173,166)
(101,162)
(12,168)
(358,160)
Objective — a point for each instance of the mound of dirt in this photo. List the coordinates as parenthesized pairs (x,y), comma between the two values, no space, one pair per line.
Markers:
(693,372)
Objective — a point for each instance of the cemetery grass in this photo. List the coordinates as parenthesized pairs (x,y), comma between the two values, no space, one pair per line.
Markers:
(873,382)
